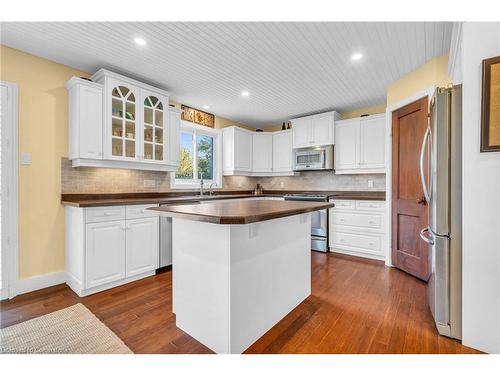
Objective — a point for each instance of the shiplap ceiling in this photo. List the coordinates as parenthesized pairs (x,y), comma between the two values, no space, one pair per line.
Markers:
(289,69)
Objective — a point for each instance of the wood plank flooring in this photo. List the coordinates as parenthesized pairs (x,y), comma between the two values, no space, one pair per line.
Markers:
(356,306)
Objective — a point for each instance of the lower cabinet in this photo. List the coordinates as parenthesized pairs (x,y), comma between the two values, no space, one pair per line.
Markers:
(104,253)
(110,246)
(358,228)
(141,246)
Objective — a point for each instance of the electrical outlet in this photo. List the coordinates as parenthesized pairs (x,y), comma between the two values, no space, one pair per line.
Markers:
(370,183)
(25,158)
(149,183)
(282,184)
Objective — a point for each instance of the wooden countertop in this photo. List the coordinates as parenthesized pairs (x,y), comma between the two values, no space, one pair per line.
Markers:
(240,212)
(97,200)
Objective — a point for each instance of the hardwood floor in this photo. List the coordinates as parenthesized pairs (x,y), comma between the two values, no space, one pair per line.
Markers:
(356,306)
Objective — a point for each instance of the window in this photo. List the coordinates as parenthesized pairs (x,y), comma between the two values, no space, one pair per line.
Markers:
(199,157)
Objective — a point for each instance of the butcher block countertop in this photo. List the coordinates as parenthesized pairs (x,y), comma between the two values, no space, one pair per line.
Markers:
(240,212)
(118,199)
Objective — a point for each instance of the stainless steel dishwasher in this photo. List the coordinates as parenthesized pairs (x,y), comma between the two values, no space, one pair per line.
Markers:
(319,220)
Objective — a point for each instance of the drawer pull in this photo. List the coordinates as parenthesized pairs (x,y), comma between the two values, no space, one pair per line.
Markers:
(371,244)
(342,219)
(371,222)
(342,240)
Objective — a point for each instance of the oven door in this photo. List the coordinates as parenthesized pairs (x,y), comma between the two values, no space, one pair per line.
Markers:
(312,159)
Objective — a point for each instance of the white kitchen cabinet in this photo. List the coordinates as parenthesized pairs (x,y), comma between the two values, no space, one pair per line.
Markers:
(360,145)
(315,130)
(262,152)
(134,132)
(282,151)
(247,153)
(347,145)
(110,246)
(358,228)
(372,142)
(104,255)
(85,119)
(141,246)
(174,135)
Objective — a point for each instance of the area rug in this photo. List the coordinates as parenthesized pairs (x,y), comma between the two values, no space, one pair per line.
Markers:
(73,330)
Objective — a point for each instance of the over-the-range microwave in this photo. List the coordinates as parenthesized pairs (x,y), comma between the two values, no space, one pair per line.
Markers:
(313,158)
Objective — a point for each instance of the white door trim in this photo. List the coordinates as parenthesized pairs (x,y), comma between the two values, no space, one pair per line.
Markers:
(10,214)
(388,176)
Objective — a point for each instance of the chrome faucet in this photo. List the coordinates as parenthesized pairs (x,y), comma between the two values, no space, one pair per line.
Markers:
(210,188)
(201,184)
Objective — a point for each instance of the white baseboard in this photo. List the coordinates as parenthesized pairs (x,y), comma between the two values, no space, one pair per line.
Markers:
(39,282)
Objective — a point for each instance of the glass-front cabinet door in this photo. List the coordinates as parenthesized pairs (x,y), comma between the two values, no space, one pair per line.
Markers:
(154,118)
(124,122)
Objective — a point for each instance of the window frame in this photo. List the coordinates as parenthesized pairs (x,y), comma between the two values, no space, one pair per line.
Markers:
(195,182)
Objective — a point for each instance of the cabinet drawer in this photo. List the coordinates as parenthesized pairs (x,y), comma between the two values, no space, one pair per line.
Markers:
(140,211)
(355,240)
(370,205)
(99,214)
(357,220)
(344,204)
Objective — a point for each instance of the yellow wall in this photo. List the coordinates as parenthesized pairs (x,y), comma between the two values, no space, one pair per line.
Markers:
(364,111)
(43,133)
(434,72)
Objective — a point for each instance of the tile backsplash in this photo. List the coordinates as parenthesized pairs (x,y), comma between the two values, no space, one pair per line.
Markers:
(107,180)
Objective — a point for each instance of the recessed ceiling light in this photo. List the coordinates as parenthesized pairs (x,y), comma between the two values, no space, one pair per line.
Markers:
(357,56)
(245,93)
(206,106)
(140,41)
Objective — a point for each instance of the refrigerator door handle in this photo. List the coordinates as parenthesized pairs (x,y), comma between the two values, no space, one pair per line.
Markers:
(427,139)
(423,236)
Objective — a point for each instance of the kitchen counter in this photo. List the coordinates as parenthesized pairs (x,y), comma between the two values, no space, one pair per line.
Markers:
(96,200)
(240,212)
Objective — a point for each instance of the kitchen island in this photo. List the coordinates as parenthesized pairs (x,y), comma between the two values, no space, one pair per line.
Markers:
(239,267)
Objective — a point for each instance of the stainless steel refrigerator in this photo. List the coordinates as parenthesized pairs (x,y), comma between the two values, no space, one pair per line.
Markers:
(441,176)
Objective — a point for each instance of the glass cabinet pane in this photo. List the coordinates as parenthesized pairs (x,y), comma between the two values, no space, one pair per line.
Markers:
(117,128)
(148,116)
(117,107)
(130,111)
(159,118)
(130,149)
(158,152)
(148,151)
(117,147)
(148,133)
(159,136)
(130,130)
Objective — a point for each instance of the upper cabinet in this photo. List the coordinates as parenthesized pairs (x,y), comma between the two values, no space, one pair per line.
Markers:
(315,130)
(360,145)
(282,151)
(248,153)
(136,128)
(262,152)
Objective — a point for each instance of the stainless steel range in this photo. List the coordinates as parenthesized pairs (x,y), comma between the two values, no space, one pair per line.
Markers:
(319,220)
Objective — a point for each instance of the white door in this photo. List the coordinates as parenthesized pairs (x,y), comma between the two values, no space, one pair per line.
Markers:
(242,150)
(262,153)
(346,144)
(282,152)
(322,130)
(142,246)
(372,142)
(301,131)
(105,253)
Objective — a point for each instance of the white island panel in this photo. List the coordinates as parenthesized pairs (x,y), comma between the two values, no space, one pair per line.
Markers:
(232,283)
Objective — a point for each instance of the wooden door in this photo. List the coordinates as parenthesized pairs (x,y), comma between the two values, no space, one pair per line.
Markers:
(409,210)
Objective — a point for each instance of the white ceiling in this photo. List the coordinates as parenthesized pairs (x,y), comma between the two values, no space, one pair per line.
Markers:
(289,69)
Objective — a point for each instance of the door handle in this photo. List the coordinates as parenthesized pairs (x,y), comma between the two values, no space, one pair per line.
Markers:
(422,201)
(427,138)
(423,236)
